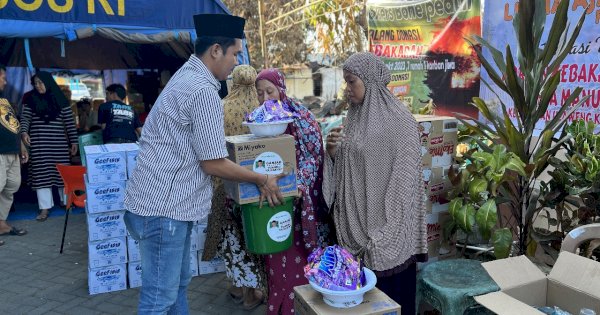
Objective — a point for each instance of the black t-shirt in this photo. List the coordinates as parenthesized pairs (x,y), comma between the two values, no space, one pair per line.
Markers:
(120,119)
(9,129)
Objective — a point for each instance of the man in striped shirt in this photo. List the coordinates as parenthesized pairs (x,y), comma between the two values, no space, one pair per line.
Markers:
(183,145)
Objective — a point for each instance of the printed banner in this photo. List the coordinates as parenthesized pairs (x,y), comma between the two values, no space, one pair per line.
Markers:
(423,45)
(580,67)
(175,14)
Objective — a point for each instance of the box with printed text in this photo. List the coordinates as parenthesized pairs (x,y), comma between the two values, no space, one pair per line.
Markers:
(131,151)
(439,137)
(134,274)
(107,279)
(107,252)
(103,197)
(105,163)
(271,156)
(207,267)
(106,225)
(133,249)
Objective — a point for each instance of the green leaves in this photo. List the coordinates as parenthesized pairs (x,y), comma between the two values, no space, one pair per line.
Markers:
(478,189)
(502,240)
(465,218)
(486,218)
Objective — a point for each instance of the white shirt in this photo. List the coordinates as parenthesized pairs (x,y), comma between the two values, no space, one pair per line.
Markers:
(184,128)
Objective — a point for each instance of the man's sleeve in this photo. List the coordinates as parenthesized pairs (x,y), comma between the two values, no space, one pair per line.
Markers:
(208,134)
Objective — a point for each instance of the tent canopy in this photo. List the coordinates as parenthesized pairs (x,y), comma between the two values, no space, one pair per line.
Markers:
(100,34)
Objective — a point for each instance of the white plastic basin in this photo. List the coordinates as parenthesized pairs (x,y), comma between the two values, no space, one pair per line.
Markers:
(268,129)
(346,299)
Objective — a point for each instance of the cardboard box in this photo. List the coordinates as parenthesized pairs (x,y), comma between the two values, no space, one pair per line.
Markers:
(104,197)
(573,284)
(134,274)
(307,301)
(272,156)
(106,225)
(208,267)
(194,238)
(201,230)
(107,252)
(133,249)
(437,186)
(107,279)
(131,151)
(436,248)
(194,263)
(439,137)
(105,163)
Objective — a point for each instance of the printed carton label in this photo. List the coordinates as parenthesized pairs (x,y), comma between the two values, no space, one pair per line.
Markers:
(279,226)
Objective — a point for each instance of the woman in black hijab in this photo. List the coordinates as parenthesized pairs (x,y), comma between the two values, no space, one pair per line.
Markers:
(48,128)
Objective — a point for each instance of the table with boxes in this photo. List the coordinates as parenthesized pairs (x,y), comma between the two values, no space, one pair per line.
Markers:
(114,256)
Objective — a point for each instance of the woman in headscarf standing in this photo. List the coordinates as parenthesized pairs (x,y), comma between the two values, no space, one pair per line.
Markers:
(311,221)
(377,181)
(48,128)
(224,228)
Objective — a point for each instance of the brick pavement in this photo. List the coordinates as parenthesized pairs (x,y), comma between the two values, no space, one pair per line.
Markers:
(36,279)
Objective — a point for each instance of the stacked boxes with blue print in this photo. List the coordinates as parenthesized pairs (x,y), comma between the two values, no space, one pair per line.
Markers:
(106,180)
(205,267)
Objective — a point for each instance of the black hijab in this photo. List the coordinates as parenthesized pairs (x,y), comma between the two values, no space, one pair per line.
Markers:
(47,105)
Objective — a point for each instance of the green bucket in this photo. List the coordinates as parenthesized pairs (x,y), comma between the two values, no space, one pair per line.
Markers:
(268,230)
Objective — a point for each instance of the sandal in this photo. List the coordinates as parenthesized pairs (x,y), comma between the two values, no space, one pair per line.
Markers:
(237,299)
(15,231)
(42,215)
(257,301)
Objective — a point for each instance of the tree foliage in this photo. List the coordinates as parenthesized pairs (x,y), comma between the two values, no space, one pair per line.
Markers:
(329,27)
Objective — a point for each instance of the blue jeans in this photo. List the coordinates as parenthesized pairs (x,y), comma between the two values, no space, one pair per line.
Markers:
(165,258)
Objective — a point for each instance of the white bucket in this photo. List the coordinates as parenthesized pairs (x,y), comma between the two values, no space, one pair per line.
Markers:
(346,299)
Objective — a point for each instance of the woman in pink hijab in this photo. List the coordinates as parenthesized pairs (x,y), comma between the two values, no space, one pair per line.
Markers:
(311,220)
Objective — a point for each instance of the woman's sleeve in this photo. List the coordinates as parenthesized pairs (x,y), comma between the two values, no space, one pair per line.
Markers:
(67,118)
(25,119)
(328,180)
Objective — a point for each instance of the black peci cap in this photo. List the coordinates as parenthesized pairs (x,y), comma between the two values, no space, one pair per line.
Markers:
(222,25)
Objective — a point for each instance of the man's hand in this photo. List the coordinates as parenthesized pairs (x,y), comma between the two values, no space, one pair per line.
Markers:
(270,191)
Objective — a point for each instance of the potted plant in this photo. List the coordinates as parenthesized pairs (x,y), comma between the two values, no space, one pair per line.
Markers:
(530,87)
(573,192)
(476,196)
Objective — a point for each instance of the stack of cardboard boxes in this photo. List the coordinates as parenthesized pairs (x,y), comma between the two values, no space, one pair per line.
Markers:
(105,191)
(438,148)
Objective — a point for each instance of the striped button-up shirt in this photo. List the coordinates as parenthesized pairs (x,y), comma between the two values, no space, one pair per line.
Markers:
(184,128)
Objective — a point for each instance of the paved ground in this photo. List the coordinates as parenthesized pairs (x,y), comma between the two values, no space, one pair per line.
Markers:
(36,279)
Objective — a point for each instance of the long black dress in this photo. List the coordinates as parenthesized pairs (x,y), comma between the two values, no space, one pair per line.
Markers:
(50,143)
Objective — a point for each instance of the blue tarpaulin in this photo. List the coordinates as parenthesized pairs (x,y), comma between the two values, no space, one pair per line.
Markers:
(72,14)
(98,35)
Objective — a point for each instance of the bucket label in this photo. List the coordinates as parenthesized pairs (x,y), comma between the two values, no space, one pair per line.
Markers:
(279,226)
(268,163)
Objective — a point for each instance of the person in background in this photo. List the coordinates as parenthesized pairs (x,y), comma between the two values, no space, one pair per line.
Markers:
(84,115)
(374,173)
(182,148)
(10,168)
(120,123)
(312,223)
(48,128)
(224,226)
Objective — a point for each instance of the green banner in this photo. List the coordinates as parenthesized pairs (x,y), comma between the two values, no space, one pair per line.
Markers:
(423,44)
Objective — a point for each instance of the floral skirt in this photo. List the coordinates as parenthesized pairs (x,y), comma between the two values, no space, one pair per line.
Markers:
(242,267)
